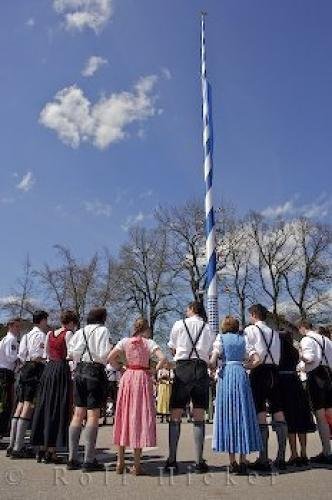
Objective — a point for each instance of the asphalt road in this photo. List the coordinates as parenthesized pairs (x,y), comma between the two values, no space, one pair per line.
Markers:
(29,480)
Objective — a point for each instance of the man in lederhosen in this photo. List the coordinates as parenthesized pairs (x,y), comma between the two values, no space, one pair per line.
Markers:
(191,343)
(8,359)
(316,353)
(31,354)
(265,385)
(89,347)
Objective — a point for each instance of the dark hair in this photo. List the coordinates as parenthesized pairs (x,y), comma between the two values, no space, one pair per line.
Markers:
(230,324)
(199,309)
(322,330)
(141,325)
(38,317)
(69,316)
(11,321)
(305,323)
(259,311)
(97,316)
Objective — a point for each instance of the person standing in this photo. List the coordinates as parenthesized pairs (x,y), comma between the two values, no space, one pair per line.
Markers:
(265,384)
(295,401)
(31,354)
(89,348)
(163,392)
(235,426)
(135,416)
(316,353)
(52,413)
(191,342)
(8,360)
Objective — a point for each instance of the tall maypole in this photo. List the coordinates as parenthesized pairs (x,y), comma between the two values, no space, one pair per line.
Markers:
(211,258)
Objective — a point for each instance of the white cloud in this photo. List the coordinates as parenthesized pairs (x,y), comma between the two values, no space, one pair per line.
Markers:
(75,119)
(98,208)
(132,220)
(146,194)
(166,73)
(317,209)
(30,22)
(81,14)
(92,65)
(7,200)
(27,182)
(280,210)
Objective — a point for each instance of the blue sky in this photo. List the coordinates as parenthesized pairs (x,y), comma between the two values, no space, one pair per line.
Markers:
(78,168)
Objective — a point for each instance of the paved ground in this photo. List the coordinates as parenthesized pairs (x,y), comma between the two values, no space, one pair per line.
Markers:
(29,480)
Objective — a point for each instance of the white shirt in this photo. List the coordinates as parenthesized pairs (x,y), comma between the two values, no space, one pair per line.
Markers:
(218,347)
(32,345)
(8,351)
(311,353)
(255,342)
(152,345)
(112,373)
(98,339)
(180,341)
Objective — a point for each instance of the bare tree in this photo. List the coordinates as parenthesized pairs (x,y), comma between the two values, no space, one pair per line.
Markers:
(71,284)
(238,272)
(308,281)
(147,278)
(21,301)
(274,257)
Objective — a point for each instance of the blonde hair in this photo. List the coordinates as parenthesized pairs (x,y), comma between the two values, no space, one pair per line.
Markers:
(141,325)
(230,324)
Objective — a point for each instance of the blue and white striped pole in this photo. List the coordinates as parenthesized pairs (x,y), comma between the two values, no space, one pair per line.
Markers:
(211,281)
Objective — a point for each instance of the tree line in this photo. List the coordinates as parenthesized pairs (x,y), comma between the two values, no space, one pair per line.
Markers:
(285,264)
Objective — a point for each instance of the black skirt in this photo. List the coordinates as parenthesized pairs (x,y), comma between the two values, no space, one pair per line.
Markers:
(6,399)
(53,409)
(295,403)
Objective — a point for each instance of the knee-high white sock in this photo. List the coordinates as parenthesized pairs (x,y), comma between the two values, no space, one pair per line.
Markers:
(90,435)
(74,440)
(22,426)
(13,429)
(199,437)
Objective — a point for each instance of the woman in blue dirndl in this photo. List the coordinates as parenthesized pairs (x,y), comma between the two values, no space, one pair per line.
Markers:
(235,426)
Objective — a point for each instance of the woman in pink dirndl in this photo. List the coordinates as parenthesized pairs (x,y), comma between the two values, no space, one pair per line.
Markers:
(135,416)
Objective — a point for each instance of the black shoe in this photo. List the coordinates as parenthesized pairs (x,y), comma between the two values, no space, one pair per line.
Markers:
(22,454)
(52,458)
(40,455)
(302,462)
(9,451)
(242,469)
(202,467)
(233,468)
(92,466)
(171,467)
(322,459)
(260,466)
(280,464)
(73,465)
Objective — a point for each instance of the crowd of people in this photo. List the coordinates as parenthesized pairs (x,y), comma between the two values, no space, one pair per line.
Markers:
(62,378)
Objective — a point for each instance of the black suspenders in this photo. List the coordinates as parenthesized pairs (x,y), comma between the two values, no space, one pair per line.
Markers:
(268,345)
(322,346)
(194,343)
(86,348)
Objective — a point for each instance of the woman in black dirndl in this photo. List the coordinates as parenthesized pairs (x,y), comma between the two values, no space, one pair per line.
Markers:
(295,401)
(53,409)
